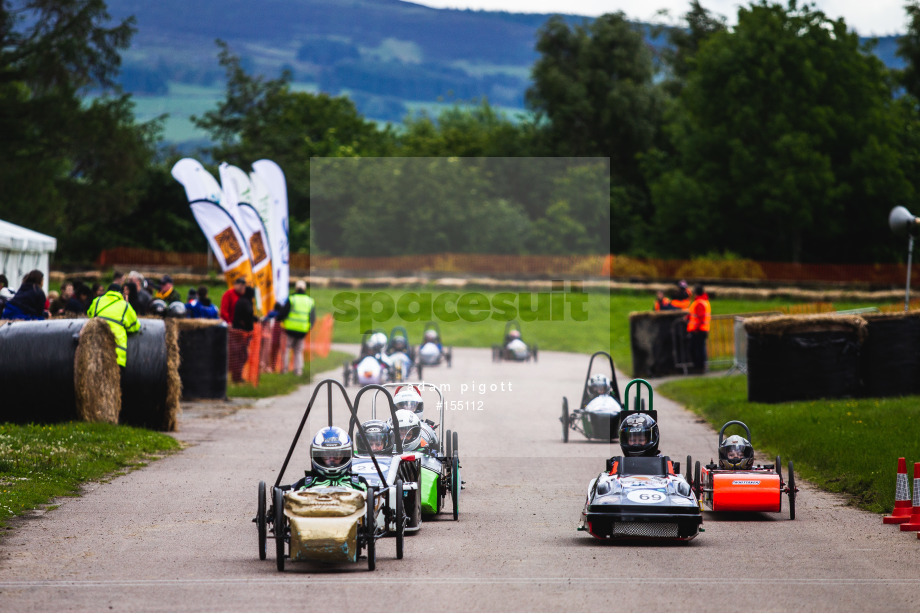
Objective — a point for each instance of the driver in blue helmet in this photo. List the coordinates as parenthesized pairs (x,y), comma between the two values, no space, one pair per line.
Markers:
(331,454)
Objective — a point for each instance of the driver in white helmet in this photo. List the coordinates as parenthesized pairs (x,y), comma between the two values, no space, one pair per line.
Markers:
(599,384)
(736,452)
(410,398)
(415,438)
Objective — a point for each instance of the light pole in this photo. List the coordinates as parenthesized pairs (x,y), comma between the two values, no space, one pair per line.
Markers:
(903,222)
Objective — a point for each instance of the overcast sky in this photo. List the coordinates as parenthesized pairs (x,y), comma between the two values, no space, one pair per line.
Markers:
(867,17)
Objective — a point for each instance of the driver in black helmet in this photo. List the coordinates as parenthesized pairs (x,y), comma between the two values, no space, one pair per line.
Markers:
(638,435)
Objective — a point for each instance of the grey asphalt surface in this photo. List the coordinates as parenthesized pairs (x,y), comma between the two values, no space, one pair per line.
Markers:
(177,535)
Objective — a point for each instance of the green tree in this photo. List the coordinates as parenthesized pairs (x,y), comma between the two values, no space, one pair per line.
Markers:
(67,166)
(594,95)
(593,91)
(909,50)
(787,144)
(684,42)
(265,118)
(465,130)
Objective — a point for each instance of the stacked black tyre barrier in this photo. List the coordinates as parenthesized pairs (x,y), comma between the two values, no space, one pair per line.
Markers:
(203,370)
(651,341)
(890,357)
(798,358)
(54,371)
(37,370)
(150,383)
(143,384)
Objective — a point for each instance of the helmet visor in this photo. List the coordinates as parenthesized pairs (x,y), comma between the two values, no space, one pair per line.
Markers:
(332,458)
(410,405)
(409,433)
(598,388)
(733,453)
(637,438)
(377,441)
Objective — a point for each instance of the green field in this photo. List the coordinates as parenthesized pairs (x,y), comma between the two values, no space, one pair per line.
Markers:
(606,327)
(845,445)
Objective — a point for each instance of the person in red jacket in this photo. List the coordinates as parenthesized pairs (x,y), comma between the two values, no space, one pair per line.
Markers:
(698,328)
(229,299)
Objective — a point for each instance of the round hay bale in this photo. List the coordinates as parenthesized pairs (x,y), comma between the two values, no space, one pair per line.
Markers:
(97,378)
(146,390)
(796,358)
(651,341)
(37,370)
(890,356)
(203,347)
(173,381)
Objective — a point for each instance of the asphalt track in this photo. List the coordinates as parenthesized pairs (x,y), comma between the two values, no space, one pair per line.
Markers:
(177,535)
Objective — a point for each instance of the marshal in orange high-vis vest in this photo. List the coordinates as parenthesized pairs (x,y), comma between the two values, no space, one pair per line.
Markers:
(700,314)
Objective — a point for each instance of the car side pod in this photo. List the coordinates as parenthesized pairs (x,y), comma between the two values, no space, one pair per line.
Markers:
(902,505)
(914,523)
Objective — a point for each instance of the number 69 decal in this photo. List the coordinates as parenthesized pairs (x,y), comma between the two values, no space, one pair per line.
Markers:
(646,496)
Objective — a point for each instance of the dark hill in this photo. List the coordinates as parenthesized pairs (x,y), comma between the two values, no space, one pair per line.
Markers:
(384,53)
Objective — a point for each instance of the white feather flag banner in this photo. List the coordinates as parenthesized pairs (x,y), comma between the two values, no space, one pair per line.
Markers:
(218,225)
(272,177)
(238,197)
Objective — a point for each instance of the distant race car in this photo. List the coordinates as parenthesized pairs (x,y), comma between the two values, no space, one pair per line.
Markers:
(513,347)
(401,355)
(641,497)
(598,414)
(749,488)
(330,524)
(372,366)
(432,351)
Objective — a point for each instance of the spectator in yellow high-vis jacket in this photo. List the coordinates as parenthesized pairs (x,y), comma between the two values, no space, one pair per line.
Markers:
(119,315)
(297,316)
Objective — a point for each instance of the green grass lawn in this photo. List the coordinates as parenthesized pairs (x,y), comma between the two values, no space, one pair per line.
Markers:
(41,462)
(848,445)
(275,384)
(606,326)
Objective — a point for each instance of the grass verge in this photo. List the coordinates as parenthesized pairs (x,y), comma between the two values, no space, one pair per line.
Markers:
(847,446)
(39,462)
(606,326)
(275,384)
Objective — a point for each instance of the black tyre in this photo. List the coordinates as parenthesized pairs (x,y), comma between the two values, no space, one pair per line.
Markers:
(400,519)
(447,442)
(535,353)
(454,448)
(697,488)
(346,374)
(455,484)
(565,420)
(262,523)
(791,486)
(280,526)
(370,530)
(778,468)
(418,368)
(450,352)
(689,470)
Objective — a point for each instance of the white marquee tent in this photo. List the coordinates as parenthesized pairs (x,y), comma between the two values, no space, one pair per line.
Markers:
(22,250)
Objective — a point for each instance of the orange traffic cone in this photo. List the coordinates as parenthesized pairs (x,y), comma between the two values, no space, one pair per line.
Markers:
(902,505)
(914,523)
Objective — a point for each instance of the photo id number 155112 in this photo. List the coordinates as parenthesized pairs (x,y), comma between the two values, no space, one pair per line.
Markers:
(464,405)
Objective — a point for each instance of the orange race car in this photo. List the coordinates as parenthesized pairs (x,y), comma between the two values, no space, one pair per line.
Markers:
(735,484)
